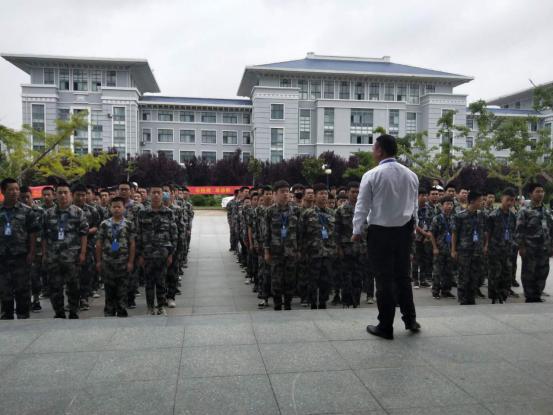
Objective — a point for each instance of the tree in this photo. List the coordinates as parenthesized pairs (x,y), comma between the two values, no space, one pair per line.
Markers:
(69,166)
(312,169)
(255,168)
(15,156)
(448,158)
(362,162)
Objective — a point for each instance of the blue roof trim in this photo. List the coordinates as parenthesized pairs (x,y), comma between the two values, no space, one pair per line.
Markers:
(196,101)
(512,111)
(355,66)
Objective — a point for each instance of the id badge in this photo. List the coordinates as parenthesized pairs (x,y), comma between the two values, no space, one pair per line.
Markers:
(283,232)
(448,238)
(324,233)
(475,237)
(115,246)
(61,234)
(507,235)
(8,229)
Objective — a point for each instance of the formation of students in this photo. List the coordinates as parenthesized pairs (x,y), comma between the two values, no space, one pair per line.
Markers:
(85,239)
(297,242)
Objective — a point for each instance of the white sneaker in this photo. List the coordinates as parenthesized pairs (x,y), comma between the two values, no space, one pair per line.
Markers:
(370,300)
(247,281)
(151,311)
(161,311)
(171,303)
(95,294)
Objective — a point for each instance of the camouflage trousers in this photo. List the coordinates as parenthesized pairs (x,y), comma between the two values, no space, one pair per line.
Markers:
(368,276)
(15,287)
(320,280)
(173,275)
(499,275)
(337,274)
(470,269)
(264,278)
(535,269)
(62,274)
(442,273)
(283,278)
(422,262)
(36,277)
(155,273)
(352,280)
(302,280)
(116,279)
(514,259)
(87,275)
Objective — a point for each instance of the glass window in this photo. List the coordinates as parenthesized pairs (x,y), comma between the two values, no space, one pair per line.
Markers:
(329,125)
(147,135)
(230,137)
(361,117)
(411,123)
(111,78)
(80,137)
(305,126)
(533,126)
(470,122)
(38,125)
(80,80)
(393,121)
(64,79)
(209,156)
(470,142)
(344,90)
(49,76)
(315,89)
(187,116)
(401,92)
(329,90)
(164,135)
(414,93)
(209,117)
(97,130)
(187,136)
(168,154)
(246,138)
(146,115)
(187,156)
(229,118)
(63,114)
(95,80)
(119,114)
(246,157)
(303,86)
(228,155)
(285,83)
(389,92)
(165,115)
(119,139)
(277,111)
(246,118)
(430,89)
(374,91)
(359,91)
(277,145)
(361,138)
(209,137)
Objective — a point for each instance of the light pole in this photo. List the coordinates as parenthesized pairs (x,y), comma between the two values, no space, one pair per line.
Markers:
(328,171)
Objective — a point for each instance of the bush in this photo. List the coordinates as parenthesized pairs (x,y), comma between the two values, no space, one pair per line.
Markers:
(206,200)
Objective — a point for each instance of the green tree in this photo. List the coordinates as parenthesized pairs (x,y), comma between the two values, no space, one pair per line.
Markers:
(448,158)
(366,162)
(14,156)
(312,168)
(255,168)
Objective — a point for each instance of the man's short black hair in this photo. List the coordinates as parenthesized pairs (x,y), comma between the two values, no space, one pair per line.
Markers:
(25,189)
(254,194)
(509,191)
(125,182)
(244,188)
(446,199)
(7,181)
(451,186)
(267,188)
(352,185)
(388,144)
(331,196)
(423,191)
(319,187)
(78,187)
(280,184)
(47,188)
(62,183)
(342,197)
(117,199)
(473,195)
(298,186)
(236,192)
(533,186)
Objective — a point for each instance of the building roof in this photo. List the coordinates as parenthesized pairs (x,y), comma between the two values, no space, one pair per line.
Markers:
(139,68)
(212,102)
(345,66)
(512,111)
(517,95)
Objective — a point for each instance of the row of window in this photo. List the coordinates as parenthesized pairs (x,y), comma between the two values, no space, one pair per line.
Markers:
(166,135)
(191,116)
(532,125)
(209,156)
(359,90)
(80,79)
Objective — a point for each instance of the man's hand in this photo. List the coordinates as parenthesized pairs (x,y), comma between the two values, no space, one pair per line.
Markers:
(267,256)
(355,238)
(130,266)
(435,251)
(98,266)
(82,258)
(454,255)
(169,260)
(29,258)
(141,261)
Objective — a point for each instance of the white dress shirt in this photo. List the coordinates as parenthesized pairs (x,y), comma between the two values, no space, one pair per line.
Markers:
(388,196)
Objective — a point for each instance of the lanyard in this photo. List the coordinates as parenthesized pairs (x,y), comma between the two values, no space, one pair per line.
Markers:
(323,220)
(9,215)
(62,221)
(116,228)
(284,220)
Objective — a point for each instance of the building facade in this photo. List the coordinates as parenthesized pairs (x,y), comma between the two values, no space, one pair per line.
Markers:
(299,107)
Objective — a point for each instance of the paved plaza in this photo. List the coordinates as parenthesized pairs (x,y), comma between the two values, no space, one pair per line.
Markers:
(217,354)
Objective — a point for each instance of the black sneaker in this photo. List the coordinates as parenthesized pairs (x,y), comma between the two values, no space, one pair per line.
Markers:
(425,284)
(122,313)
(515,284)
(131,304)
(59,315)
(447,294)
(36,307)
(479,293)
(73,316)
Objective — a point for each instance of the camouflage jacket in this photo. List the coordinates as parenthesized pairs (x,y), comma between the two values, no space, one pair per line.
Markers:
(123,233)
(190,214)
(93,219)
(470,231)
(231,205)
(103,212)
(181,220)
(62,230)
(244,220)
(441,227)
(425,215)
(317,236)
(131,211)
(344,230)
(259,228)
(501,231)
(16,226)
(282,227)
(157,235)
(534,228)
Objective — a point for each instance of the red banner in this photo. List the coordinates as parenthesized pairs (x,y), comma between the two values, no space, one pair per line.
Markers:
(35,190)
(212,190)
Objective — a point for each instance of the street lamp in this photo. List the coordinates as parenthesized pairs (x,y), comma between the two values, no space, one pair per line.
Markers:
(328,171)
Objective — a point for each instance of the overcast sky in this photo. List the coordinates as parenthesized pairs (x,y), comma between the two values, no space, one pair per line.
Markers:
(200,48)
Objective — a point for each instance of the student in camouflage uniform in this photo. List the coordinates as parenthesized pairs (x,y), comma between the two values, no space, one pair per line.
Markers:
(64,244)
(189,210)
(442,271)
(534,236)
(422,258)
(264,267)
(318,244)
(243,225)
(467,248)
(231,205)
(156,243)
(18,231)
(281,245)
(115,251)
(501,224)
(48,198)
(302,276)
(251,223)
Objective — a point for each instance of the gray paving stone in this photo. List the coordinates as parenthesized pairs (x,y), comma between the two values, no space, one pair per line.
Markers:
(449,410)
(14,341)
(344,330)
(217,334)
(458,349)
(214,309)
(526,407)
(368,354)
(518,346)
(287,332)
(528,323)
(321,392)
(36,400)
(468,325)
(240,395)
(77,340)
(221,361)
(412,387)
(301,357)
(146,337)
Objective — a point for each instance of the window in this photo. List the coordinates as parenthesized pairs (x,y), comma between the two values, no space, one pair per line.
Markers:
(146,115)
(80,80)
(209,117)
(209,137)
(305,126)
(517,104)
(359,91)
(470,142)
(97,131)
(164,135)
(111,78)
(95,80)
(119,139)
(302,85)
(246,138)
(146,135)
(147,152)
(187,136)
(63,114)
(401,92)
(187,156)
(230,137)
(414,93)
(64,79)
(209,156)
(393,121)
(361,138)
(315,89)
(228,155)
(389,92)
(361,124)
(361,117)
(329,90)
(246,118)
(329,125)
(49,76)
(374,91)
(344,90)
(285,83)
(168,154)
(277,145)
(186,116)
(119,114)
(165,115)
(411,123)
(547,127)
(246,157)
(277,111)
(37,120)
(470,122)
(229,118)
(533,126)
(430,89)
(80,137)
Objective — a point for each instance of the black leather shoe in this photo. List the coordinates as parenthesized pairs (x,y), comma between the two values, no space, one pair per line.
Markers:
(414,327)
(377,331)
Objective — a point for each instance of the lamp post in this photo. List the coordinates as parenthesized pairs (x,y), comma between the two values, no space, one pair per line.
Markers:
(328,172)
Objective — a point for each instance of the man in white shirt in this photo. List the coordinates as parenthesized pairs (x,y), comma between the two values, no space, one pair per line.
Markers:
(388,202)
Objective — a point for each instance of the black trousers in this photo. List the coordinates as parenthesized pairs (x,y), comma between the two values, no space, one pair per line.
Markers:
(389,250)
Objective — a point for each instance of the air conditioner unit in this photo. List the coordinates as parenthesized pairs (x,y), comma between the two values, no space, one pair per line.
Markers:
(142,143)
